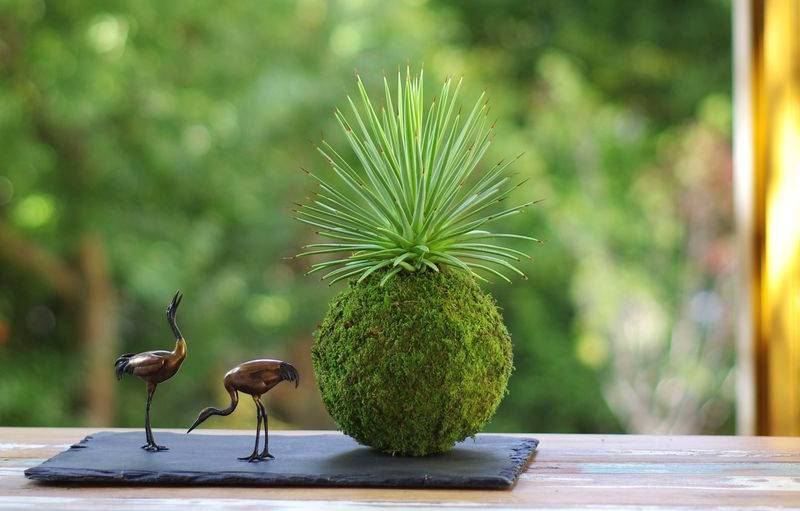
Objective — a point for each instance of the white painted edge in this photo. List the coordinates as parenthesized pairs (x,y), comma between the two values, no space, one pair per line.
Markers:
(744,210)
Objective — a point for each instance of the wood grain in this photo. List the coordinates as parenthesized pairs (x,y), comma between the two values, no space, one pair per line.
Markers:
(568,471)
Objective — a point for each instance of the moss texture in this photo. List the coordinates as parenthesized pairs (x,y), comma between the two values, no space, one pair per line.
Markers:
(415,366)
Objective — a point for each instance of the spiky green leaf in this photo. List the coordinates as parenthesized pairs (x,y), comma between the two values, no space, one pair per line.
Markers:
(415,200)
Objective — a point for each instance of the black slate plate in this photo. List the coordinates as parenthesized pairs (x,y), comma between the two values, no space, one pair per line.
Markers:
(489,461)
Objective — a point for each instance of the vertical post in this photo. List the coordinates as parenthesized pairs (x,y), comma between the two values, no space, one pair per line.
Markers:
(744,209)
(768,213)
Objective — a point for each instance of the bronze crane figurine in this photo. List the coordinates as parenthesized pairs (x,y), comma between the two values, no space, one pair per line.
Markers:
(155,367)
(255,378)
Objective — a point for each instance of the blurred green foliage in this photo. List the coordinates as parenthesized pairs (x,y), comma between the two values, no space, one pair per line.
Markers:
(170,134)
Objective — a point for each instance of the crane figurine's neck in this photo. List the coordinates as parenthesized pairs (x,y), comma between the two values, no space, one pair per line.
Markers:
(180,344)
(180,348)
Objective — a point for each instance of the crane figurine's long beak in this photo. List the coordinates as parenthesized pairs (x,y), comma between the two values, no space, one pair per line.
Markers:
(196,423)
(202,416)
(176,300)
(172,308)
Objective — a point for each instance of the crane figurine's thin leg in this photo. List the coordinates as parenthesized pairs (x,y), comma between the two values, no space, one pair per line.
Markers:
(265,453)
(151,443)
(254,455)
(147,433)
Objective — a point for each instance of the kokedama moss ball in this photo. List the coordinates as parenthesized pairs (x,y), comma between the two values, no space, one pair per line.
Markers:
(414,366)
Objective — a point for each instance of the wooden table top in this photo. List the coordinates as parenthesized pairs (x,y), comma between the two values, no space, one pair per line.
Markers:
(568,471)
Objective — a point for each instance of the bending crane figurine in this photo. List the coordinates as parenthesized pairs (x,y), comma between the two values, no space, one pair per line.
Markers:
(255,378)
(155,367)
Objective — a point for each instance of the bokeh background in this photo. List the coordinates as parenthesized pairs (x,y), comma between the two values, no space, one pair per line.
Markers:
(151,146)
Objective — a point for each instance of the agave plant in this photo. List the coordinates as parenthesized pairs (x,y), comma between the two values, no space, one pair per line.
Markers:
(415,201)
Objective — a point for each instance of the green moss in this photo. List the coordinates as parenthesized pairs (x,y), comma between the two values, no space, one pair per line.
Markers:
(414,366)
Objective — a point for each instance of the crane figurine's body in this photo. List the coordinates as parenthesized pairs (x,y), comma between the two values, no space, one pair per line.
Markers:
(255,378)
(155,367)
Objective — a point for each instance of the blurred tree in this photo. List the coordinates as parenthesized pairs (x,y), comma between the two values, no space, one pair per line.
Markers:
(164,137)
(624,110)
(149,146)
(659,58)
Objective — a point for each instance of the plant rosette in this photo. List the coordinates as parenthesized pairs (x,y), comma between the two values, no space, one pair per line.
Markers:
(412,356)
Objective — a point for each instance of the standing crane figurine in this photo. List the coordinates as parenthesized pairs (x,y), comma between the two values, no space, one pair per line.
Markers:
(155,367)
(255,378)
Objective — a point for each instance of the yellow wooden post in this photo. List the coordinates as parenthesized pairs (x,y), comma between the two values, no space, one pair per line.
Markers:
(767,146)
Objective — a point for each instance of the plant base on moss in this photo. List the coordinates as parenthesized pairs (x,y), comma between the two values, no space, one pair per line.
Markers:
(414,366)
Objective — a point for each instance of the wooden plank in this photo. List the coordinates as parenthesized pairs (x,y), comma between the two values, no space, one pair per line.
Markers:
(574,471)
